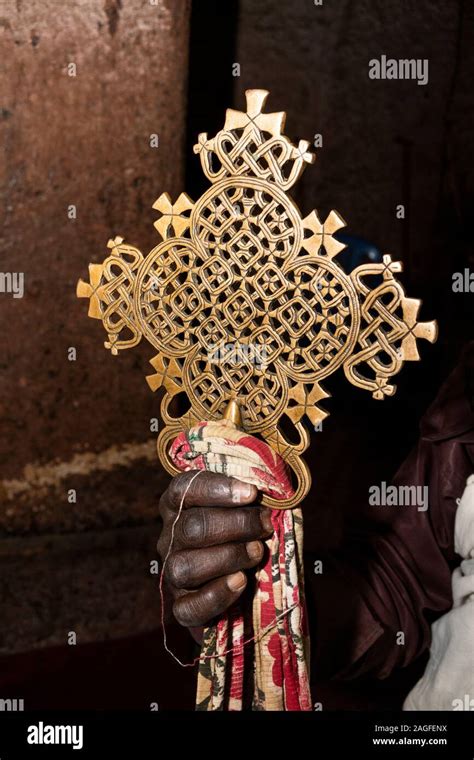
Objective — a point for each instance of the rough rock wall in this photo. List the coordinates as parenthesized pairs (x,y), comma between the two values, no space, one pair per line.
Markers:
(85,84)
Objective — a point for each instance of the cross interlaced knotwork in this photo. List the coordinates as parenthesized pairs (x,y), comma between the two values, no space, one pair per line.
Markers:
(243,298)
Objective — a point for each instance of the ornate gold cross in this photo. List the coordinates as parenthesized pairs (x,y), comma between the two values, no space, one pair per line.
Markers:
(244,300)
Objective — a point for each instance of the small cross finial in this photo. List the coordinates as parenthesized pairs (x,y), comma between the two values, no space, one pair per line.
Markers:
(254,118)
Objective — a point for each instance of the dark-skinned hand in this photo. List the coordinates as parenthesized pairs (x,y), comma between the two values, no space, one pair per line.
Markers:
(217,537)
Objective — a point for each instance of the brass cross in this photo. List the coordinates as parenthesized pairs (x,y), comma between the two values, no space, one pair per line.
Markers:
(242,267)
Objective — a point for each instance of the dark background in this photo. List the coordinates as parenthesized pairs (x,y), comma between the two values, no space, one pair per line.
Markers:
(167,69)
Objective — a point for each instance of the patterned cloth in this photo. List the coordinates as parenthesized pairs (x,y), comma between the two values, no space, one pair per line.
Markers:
(257,655)
(222,447)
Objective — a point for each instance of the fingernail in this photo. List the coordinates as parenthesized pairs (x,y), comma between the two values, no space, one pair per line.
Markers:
(266,521)
(236,581)
(254,549)
(242,491)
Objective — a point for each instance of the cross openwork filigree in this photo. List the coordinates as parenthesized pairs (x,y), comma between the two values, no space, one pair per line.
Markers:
(241,267)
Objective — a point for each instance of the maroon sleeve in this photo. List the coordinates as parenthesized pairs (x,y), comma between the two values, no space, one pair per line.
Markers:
(394,576)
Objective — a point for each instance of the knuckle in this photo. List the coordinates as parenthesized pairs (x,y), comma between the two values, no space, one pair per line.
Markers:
(163,542)
(161,547)
(162,506)
(176,488)
(181,613)
(211,486)
(236,558)
(248,522)
(177,570)
(187,613)
(193,527)
(231,554)
(264,520)
(214,600)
